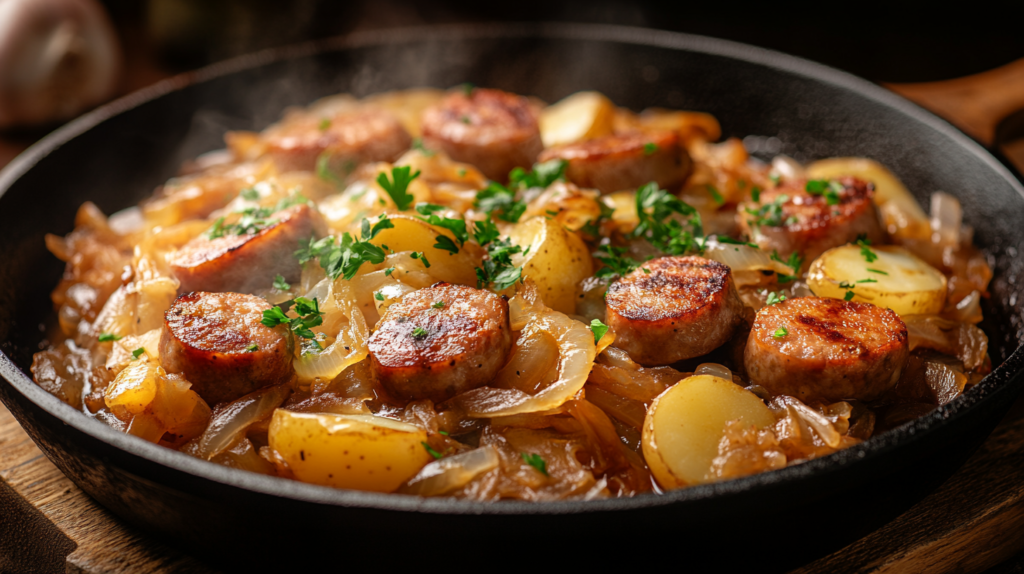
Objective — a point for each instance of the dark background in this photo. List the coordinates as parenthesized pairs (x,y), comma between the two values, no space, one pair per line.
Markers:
(881,41)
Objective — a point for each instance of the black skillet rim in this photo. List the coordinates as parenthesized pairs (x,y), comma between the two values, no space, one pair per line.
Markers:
(999,381)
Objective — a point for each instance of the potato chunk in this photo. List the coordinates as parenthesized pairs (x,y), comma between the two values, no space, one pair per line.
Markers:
(557,261)
(684,425)
(894,278)
(581,116)
(359,452)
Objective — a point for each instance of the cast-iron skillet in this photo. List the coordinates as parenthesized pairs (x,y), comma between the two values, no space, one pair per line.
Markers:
(116,155)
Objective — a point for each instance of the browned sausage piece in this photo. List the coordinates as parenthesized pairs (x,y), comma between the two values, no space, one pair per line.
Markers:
(624,161)
(685,307)
(365,135)
(217,342)
(815,348)
(247,262)
(807,224)
(441,341)
(493,130)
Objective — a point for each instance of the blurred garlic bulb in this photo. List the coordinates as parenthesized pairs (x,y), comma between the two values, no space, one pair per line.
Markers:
(57,59)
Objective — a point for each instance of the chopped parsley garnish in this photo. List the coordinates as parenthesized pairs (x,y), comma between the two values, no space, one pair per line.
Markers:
(847,284)
(378,296)
(254,219)
(868,280)
(344,258)
(654,208)
(466,120)
(497,268)
(775,177)
(485,231)
(462,172)
(780,332)
(419,333)
(599,329)
(138,353)
(422,257)
(444,242)
(109,337)
(536,462)
(417,144)
(542,175)
(280,284)
(879,271)
(717,197)
(730,241)
(774,298)
(755,194)
(249,194)
(769,214)
(324,124)
(794,262)
(389,271)
(309,316)
(445,433)
(397,187)
(615,262)
(830,189)
(432,452)
(438,305)
(253,348)
(848,296)
(498,200)
(428,213)
(650,148)
(593,226)
(865,251)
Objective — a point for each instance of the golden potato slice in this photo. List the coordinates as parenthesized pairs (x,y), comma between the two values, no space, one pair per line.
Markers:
(412,234)
(581,116)
(359,452)
(557,261)
(894,278)
(684,425)
(900,210)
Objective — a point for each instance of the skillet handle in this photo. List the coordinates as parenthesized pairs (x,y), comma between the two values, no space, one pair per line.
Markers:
(975,104)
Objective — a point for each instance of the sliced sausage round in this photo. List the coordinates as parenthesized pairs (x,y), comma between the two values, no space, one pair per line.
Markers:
(789,220)
(490,129)
(244,263)
(360,136)
(673,308)
(624,161)
(441,341)
(217,342)
(816,348)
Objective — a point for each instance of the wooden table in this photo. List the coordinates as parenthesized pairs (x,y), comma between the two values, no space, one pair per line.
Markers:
(973,522)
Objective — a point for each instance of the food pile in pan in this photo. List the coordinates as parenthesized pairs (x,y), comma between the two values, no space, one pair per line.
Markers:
(474,294)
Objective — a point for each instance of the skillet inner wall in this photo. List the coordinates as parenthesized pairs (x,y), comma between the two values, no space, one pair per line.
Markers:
(120,161)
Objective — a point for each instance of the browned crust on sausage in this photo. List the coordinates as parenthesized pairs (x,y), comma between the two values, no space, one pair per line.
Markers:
(624,161)
(465,345)
(246,263)
(493,130)
(685,307)
(207,338)
(366,135)
(832,349)
(813,225)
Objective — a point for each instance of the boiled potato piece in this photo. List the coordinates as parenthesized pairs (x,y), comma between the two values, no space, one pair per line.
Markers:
(898,206)
(690,126)
(684,425)
(413,234)
(359,452)
(557,261)
(583,115)
(897,279)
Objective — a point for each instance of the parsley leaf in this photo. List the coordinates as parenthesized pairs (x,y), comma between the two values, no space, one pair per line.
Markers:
(717,197)
(755,194)
(428,212)
(730,241)
(774,298)
(309,316)
(419,333)
(497,267)
(109,337)
(253,348)
(615,263)
(848,296)
(498,199)
(437,304)
(593,226)
(444,242)
(422,257)
(542,175)
(780,332)
(432,452)
(280,284)
(389,271)
(650,148)
(138,353)
(769,214)
(324,124)
(249,194)
(397,187)
(340,259)
(485,232)
(865,251)
(599,329)
(794,262)
(536,462)
(654,208)
(879,271)
(378,296)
